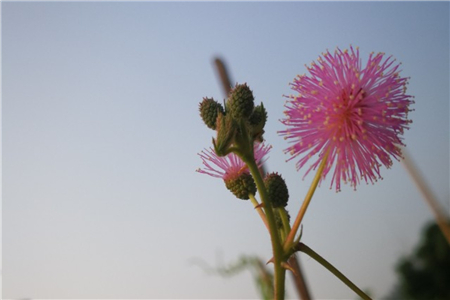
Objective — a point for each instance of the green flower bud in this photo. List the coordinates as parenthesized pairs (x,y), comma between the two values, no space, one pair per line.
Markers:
(209,110)
(242,186)
(277,190)
(241,102)
(258,121)
(226,132)
(288,215)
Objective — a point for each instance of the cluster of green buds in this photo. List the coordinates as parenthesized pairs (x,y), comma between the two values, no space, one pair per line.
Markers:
(238,124)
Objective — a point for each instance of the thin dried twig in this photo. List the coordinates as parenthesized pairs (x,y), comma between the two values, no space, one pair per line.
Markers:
(300,282)
(223,75)
(428,195)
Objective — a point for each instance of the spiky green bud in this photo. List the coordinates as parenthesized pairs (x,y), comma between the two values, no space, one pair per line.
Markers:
(276,189)
(209,110)
(242,186)
(258,121)
(288,215)
(241,102)
(226,132)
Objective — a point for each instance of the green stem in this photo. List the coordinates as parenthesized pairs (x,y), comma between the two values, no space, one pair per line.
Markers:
(279,272)
(290,239)
(281,229)
(259,210)
(305,249)
(285,220)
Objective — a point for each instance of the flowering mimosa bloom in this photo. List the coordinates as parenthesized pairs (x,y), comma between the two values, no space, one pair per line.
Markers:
(231,166)
(356,113)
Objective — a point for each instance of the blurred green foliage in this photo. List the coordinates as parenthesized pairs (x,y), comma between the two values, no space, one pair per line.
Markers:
(425,274)
(262,276)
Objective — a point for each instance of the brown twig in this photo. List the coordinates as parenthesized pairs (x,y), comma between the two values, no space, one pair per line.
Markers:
(428,195)
(300,283)
(224,76)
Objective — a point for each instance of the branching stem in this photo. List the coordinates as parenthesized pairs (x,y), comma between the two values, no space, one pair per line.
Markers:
(259,210)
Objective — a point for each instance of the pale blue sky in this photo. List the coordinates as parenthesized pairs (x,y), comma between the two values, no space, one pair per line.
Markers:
(101,133)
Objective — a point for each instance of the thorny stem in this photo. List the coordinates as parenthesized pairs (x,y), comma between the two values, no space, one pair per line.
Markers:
(290,239)
(305,249)
(259,210)
(279,272)
(297,276)
(269,221)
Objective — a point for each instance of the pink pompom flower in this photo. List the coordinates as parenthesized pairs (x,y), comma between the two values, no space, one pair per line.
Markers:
(231,166)
(356,114)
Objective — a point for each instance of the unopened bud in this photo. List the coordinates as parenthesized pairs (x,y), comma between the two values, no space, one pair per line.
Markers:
(242,186)
(209,110)
(241,102)
(277,190)
(226,131)
(258,121)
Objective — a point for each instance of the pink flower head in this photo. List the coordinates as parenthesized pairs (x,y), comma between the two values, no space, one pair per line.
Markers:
(355,113)
(231,166)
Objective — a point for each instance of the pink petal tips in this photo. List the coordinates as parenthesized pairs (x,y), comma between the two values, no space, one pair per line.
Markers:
(355,113)
(231,166)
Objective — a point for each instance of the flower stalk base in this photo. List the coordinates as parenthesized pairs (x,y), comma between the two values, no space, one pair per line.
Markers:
(305,249)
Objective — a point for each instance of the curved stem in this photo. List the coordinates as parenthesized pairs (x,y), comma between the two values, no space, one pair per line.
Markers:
(279,272)
(290,239)
(259,210)
(305,249)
